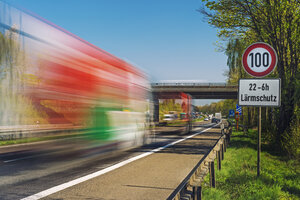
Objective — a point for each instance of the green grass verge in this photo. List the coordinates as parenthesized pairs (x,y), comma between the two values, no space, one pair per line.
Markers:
(280,177)
(198,120)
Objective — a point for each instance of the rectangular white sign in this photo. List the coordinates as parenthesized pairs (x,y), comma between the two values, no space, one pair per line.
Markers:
(259,92)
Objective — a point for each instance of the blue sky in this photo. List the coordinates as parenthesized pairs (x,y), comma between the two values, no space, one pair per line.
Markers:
(166,38)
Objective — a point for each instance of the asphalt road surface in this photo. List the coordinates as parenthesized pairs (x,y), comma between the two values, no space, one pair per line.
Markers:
(151,176)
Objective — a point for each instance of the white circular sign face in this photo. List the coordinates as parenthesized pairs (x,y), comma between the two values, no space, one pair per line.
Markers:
(259,59)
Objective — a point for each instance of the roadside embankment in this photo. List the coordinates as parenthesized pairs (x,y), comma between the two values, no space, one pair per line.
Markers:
(279,179)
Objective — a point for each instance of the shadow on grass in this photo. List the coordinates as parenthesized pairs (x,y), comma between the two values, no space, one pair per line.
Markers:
(242,141)
(273,150)
(250,140)
(240,178)
(242,144)
(290,189)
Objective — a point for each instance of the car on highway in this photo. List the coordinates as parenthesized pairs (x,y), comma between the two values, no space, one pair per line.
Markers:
(215,120)
(169,117)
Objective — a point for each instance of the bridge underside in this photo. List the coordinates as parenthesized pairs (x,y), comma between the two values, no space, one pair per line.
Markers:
(195,90)
(213,95)
(200,95)
(208,91)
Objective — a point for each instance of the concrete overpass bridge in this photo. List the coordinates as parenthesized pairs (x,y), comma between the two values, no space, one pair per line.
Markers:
(195,90)
(198,90)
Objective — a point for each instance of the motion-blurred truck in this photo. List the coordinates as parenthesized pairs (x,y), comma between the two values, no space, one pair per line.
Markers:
(180,102)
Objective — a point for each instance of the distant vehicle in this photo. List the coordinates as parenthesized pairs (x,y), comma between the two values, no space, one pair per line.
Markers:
(169,117)
(217,118)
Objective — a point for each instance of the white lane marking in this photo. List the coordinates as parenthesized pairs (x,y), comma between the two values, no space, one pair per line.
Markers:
(103,171)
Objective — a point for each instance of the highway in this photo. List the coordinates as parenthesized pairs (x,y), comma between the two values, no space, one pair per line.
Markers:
(149,172)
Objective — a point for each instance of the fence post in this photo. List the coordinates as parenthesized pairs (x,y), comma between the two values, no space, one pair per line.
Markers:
(212,174)
(198,193)
(194,193)
(222,147)
(219,159)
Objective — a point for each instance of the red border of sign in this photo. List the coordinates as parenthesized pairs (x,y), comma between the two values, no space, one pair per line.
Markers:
(273,57)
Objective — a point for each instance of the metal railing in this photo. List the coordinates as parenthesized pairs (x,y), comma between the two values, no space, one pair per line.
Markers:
(29,131)
(191,186)
(193,84)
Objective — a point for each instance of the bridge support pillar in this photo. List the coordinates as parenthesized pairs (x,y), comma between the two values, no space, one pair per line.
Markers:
(156,108)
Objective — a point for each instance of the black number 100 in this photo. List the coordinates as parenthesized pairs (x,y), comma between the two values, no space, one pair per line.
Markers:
(257,59)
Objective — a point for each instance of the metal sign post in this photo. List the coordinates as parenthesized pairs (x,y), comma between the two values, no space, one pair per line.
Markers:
(259,142)
(259,60)
(237,120)
(259,92)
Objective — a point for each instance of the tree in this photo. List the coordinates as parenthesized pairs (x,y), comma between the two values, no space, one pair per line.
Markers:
(276,22)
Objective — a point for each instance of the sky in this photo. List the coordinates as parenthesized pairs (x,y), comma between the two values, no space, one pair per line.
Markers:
(168,39)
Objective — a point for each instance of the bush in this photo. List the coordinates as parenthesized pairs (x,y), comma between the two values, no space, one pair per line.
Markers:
(291,137)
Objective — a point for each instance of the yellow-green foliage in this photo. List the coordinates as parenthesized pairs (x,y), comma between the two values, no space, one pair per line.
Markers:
(291,142)
(222,106)
(276,22)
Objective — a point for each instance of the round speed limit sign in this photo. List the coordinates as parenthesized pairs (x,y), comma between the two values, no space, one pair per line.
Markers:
(259,59)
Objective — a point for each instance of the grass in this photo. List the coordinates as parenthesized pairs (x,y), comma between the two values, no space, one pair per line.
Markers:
(198,120)
(279,179)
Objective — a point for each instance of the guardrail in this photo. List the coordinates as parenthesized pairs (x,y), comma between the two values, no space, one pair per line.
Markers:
(193,84)
(29,131)
(190,187)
